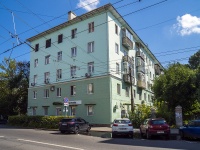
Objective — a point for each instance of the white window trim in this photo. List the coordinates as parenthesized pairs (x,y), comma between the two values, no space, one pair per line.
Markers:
(90,91)
(88,110)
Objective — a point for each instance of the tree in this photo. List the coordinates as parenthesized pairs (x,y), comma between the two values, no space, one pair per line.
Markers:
(177,86)
(194,60)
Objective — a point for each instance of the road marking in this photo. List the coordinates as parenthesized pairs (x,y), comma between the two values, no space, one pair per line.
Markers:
(1,136)
(50,144)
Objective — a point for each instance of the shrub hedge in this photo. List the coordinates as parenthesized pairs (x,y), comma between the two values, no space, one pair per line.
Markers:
(49,122)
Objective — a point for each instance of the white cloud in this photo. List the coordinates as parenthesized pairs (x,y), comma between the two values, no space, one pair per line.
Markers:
(88,5)
(187,24)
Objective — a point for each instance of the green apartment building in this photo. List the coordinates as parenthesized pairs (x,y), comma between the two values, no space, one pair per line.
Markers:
(93,61)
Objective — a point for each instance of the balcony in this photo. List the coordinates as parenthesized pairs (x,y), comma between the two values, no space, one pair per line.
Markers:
(157,69)
(126,58)
(127,42)
(140,54)
(127,78)
(141,84)
(141,69)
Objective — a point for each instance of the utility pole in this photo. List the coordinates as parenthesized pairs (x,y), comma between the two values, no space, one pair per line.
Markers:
(132,99)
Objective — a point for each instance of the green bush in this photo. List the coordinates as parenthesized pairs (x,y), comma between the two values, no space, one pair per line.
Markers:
(47,122)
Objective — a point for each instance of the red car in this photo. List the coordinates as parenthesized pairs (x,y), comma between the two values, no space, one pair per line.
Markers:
(154,126)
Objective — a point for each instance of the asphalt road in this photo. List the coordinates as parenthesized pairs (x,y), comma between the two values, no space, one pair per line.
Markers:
(12,138)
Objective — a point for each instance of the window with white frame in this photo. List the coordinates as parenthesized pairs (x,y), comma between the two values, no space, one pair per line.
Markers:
(73,33)
(73,71)
(73,52)
(91,67)
(91,27)
(140,96)
(35,79)
(90,110)
(46,93)
(127,91)
(45,111)
(35,62)
(47,59)
(46,77)
(58,92)
(117,68)
(90,88)
(145,97)
(116,48)
(72,110)
(91,47)
(73,90)
(59,57)
(58,111)
(48,43)
(118,89)
(59,73)
(34,94)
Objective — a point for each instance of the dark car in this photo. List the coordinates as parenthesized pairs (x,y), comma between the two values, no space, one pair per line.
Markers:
(191,130)
(154,126)
(3,119)
(74,125)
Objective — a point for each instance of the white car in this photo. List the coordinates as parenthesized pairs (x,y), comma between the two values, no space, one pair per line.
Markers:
(122,126)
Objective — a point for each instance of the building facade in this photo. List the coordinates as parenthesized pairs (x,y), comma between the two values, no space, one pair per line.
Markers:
(92,61)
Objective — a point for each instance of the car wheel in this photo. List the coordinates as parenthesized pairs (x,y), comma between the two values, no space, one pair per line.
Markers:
(131,136)
(76,130)
(113,135)
(182,135)
(88,129)
(62,131)
(148,135)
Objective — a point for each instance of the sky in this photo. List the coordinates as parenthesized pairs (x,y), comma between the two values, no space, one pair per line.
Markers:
(170,28)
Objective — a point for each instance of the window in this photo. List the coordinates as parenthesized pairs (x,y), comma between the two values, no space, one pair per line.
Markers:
(60,38)
(117,68)
(91,47)
(36,47)
(73,52)
(35,62)
(73,33)
(140,96)
(73,90)
(59,73)
(116,48)
(118,89)
(127,91)
(48,43)
(145,96)
(72,110)
(34,94)
(59,58)
(91,27)
(46,77)
(34,111)
(46,93)
(91,67)
(73,71)
(116,29)
(58,111)
(90,88)
(35,79)
(45,111)
(134,93)
(58,92)
(149,98)
(90,110)
(47,59)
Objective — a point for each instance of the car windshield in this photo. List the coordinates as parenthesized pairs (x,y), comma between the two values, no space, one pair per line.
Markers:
(158,122)
(122,121)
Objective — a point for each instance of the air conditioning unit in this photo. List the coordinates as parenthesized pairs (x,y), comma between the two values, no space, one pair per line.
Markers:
(88,75)
(52,88)
(32,84)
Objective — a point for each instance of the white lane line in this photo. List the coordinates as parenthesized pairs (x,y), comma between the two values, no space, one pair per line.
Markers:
(1,136)
(50,144)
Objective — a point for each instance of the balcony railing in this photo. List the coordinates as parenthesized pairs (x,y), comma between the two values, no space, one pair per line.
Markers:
(127,78)
(141,84)
(141,69)
(127,42)
(140,54)
(127,58)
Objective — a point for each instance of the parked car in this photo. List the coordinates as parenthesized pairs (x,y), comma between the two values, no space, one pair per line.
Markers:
(191,130)
(122,126)
(154,126)
(73,125)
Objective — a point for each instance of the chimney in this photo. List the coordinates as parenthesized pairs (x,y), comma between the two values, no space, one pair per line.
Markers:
(71,15)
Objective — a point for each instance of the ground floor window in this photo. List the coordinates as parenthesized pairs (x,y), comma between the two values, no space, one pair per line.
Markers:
(90,110)
(58,111)
(72,110)
(45,111)
(34,111)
